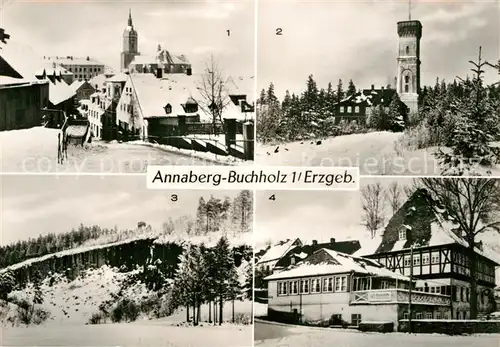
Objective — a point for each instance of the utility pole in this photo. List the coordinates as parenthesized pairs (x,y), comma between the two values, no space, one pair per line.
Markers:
(409,290)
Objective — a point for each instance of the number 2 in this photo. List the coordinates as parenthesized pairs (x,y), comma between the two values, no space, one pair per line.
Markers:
(279,31)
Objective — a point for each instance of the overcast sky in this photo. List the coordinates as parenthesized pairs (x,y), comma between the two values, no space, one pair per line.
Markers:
(34,205)
(358,39)
(94,28)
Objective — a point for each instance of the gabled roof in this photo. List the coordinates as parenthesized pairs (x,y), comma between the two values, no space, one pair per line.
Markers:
(327,262)
(279,250)
(370,97)
(19,63)
(98,81)
(59,92)
(429,223)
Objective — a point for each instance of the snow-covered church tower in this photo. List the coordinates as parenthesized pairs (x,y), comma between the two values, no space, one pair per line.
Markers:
(130,44)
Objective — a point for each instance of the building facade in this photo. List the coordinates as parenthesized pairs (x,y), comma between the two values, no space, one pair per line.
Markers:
(408,73)
(82,68)
(420,241)
(343,289)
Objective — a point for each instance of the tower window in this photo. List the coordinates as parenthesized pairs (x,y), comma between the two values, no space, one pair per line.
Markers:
(407,84)
(168,109)
(407,49)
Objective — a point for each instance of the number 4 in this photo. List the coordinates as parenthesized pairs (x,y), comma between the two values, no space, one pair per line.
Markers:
(272,197)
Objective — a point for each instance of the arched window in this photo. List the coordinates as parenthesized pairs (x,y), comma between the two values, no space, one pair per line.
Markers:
(407,50)
(407,83)
(168,108)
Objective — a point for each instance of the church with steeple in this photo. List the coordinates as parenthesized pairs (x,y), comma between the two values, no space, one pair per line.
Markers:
(130,44)
(163,62)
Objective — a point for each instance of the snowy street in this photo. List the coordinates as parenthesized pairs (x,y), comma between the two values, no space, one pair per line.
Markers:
(271,334)
(35,150)
(143,333)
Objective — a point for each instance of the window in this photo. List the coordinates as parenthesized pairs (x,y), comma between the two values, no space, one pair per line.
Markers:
(337,284)
(425,259)
(405,315)
(438,315)
(294,287)
(341,109)
(428,315)
(304,286)
(328,284)
(402,234)
(407,84)
(419,315)
(433,289)
(281,288)
(435,257)
(355,319)
(467,295)
(344,284)
(349,109)
(168,108)
(462,294)
(416,260)
(407,261)
(315,285)
(407,50)
(356,109)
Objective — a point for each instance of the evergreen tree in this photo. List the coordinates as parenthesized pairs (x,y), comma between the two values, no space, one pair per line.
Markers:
(340,91)
(310,96)
(202,222)
(351,89)
(397,114)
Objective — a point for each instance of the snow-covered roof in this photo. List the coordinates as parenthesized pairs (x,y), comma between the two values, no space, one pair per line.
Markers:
(120,77)
(154,94)
(70,60)
(59,92)
(328,262)
(21,59)
(278,251)
(98,81)
(144,60)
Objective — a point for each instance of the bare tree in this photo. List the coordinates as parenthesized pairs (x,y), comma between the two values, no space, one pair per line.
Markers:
(213,92)
(372,196)
(471,204)
(408,190)
(394,195)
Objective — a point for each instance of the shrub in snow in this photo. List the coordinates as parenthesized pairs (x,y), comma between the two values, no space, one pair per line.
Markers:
(125,310)
(97,318)
(242,318)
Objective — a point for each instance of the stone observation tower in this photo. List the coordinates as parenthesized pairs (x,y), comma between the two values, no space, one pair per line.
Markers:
(408,76)
(130,44)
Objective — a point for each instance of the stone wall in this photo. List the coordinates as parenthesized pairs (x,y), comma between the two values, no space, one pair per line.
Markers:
(451,327)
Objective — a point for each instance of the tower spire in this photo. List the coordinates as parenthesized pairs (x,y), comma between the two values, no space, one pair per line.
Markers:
(409,10)
(129,17)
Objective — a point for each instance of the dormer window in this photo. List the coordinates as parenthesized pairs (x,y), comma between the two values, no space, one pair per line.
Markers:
(168,108)
(407,50)
(402,234)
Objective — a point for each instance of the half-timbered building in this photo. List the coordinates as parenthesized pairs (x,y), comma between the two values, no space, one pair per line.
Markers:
(338,287)
(420,239)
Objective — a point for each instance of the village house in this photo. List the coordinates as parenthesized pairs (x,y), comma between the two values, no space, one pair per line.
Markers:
(82,68)
(343,289)
(22,94)
(275,253)
(440,261)
(360,106)
(157,106)
(83,90)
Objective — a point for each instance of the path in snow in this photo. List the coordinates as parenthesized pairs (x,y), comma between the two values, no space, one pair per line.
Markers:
(132,334)
(35,150)
(269,334)
(374,153)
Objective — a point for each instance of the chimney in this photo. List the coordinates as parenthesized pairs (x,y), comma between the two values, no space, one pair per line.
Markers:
(189,72)
(332,240)
(292,260)
(315,243)
(373,87)
(88,58)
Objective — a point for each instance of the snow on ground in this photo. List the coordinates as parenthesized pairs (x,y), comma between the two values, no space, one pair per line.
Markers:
(259,309)
(374,153)
(143,333)
(35,150)
(271,334)
(74,302)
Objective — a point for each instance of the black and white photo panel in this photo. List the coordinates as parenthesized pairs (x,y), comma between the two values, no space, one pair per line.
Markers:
(111,266)
(112,86)
(395,87)
(413,258)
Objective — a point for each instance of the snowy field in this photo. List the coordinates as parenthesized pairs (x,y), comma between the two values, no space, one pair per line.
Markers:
(35,150)
(143,333)
(374,153)
(277,335)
